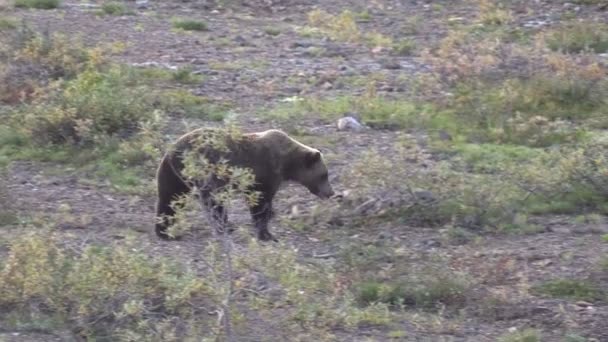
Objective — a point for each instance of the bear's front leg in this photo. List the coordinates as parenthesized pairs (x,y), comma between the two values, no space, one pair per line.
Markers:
(261,214)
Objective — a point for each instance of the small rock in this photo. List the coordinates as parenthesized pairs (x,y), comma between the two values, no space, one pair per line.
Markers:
(327,86)
(390,64)
(582,303)
(444,136)
(424,196)
(348,123)
(141,4)
(432,243)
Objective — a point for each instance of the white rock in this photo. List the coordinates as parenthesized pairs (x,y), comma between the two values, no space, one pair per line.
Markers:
(348,123)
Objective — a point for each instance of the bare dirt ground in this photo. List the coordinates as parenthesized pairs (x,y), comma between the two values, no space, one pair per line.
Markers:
(243,65)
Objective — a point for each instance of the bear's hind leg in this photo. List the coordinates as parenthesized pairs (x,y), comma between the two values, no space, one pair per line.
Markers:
(170,188)
(261,214)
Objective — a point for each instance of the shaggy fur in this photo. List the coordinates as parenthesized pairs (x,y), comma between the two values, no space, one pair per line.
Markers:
(272,156)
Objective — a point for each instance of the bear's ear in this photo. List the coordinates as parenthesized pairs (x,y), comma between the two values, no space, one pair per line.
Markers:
(312,157)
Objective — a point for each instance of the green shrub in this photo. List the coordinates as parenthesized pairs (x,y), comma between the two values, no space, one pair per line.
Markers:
(38,4)
(571,289)
(113,8)
(185,75)
(93,105)
(404,47)
(105,291)
(190,25)
(579,36)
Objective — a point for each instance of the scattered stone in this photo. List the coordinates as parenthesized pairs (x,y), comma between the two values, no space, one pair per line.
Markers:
(141,4)
(348,123)
(424,196)
(242,41)
(582,303)
(390,64)
(444,136)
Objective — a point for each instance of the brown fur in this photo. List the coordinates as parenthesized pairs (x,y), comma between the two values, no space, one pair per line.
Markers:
(272,156)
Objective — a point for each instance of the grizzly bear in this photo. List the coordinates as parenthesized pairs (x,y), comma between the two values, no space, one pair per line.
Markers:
(272,156)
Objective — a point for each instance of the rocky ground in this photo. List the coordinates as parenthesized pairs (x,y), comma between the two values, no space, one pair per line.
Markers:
(245,66)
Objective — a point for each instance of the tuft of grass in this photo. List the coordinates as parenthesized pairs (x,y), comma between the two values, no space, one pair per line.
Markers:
(186,76)
(570,289)
(404,47)
(492,13)
(578,37)
(272,31)
(113,8)
(526,335)
(427,292)
(37,4)
(7,24)
(190,25)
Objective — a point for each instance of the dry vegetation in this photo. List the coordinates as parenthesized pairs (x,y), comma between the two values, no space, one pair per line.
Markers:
(473,206)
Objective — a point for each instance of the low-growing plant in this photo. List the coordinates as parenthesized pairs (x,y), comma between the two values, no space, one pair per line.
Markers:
(492,13)
(526,335)
(94,104)
(7,24)
(102,291)
(8,215)
(272,31)
(186,76)
(404,47)
(571,289)
(190,25)
(375,110)
(184,103)
(37,4)
(579,36)
(113,8)
(423,292)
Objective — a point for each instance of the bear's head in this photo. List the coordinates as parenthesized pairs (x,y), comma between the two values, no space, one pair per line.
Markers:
(313,174)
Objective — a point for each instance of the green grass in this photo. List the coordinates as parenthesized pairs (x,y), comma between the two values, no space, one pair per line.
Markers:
(182,102)
(190,25)
(423,293)
(526,335)
(376,111)
(579,36)
(571,289)
(7,23)
(185,76)
(37,4)
(491,158)
(404,47)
